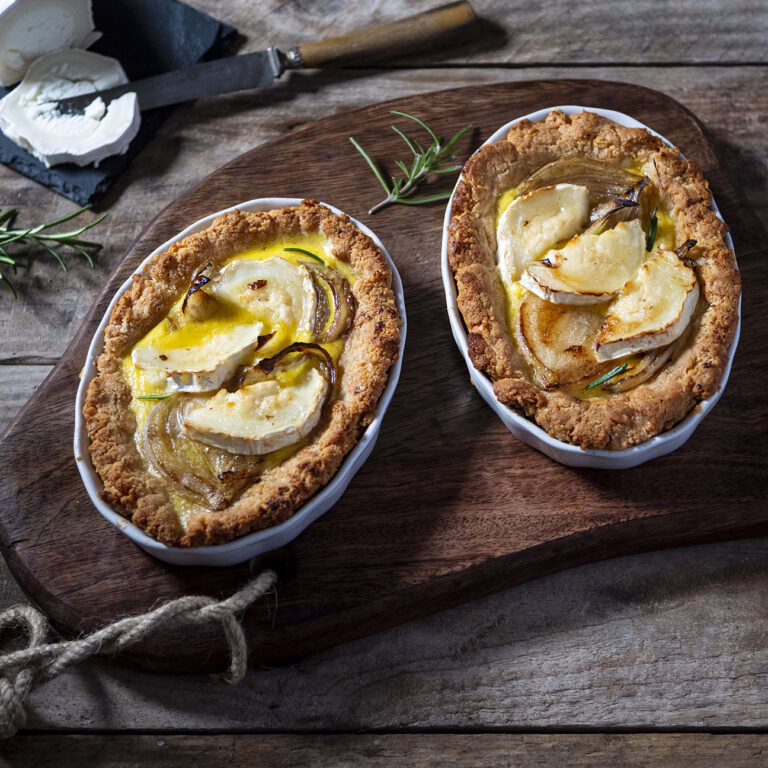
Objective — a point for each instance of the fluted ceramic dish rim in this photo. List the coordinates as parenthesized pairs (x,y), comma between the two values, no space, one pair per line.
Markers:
(257,543)
(529,432)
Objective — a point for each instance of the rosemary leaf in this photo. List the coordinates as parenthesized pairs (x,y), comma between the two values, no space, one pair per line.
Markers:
(606,376)
(650,238)
(7,217)
(425,162)
(8,284)
(371,164)
(41,237)
(154,397)
(428,199)
(306,253)
(434,136)
(405,139)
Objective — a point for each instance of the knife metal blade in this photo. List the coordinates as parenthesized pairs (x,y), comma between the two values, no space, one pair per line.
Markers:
(437,27)
(235,73)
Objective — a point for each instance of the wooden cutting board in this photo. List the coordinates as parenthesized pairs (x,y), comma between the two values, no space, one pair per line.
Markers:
(450,506)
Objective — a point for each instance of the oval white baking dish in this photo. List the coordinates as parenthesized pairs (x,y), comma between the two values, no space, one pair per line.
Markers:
(262,541)
(529,432)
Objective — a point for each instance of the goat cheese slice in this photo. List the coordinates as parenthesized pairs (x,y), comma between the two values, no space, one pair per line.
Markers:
(30,29)
(535,222)
(590,268)
(28,114)
(651,310)
(276,291)
(200,368)
(261,417)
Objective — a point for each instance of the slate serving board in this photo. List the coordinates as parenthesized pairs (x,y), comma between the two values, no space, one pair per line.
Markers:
(450,506)
(148,37)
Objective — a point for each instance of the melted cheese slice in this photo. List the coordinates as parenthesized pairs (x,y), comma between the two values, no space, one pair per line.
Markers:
(652,310)
(535,222)
(261,417)
(590,268)
(275,291)
(199,368)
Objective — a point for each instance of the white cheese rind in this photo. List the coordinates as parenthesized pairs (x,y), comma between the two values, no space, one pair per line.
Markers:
(29,117)
(274,290)
(259,418)
(535,222)
(200,368)
(30,29)
(651,310)
(590,268)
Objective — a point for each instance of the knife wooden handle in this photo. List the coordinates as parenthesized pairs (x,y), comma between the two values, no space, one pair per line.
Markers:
(448,23)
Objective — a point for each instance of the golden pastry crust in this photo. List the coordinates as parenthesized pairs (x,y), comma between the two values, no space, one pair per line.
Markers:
(626,419)
(371,347)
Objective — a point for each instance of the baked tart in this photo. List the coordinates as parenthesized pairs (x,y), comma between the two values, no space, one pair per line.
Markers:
(597,288)
(238,370)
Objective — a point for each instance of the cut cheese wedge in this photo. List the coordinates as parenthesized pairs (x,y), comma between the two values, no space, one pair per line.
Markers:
(535,222)
(261,417)
(590,268)
(30,29)
(275,291)
(652,310)
(199,368)
(29,117)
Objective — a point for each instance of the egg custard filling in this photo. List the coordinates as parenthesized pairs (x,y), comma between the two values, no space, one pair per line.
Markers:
(212,412)
(596,292)
(239,379)
(593,277)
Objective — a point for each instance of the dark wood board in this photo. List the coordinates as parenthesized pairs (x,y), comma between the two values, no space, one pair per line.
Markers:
(450,506)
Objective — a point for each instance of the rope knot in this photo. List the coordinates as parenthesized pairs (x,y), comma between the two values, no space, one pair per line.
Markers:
(12,712)
(39,661)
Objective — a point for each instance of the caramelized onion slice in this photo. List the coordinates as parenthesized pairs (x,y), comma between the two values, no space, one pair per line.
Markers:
(605,182)
(558,341)
(631,205)
(331,323)
(198,281)
(267,365)
(207,476)
(646,367)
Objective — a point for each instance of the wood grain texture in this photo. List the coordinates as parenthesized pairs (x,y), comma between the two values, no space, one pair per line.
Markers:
(526,34)
(17,383)
(501,514)
(731,102)
(392,751)
(665,640)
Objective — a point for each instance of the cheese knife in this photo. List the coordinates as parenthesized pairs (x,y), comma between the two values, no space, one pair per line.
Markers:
(437,27)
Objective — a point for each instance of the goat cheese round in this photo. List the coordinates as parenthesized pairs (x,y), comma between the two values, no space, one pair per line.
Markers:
(31,28)
(29,117)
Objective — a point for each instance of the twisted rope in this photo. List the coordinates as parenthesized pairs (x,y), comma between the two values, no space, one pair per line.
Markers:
(22,670)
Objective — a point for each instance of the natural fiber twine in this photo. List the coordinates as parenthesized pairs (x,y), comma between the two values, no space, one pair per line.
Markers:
(40,661)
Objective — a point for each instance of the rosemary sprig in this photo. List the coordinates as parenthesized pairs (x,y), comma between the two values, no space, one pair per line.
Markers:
(41,237)
(306,253)
(613,372)
(652,228)
(425,161)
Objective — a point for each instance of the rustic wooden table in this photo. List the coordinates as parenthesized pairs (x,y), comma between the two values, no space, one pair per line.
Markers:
(597,665)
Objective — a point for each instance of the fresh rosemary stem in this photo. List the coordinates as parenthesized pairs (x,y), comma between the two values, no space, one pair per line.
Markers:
(48,241)
(425,162)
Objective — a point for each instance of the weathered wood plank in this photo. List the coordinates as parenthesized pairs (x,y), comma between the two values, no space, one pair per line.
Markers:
(198,139)
(392,751)
(552,31)
(669,640)
(17,383)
